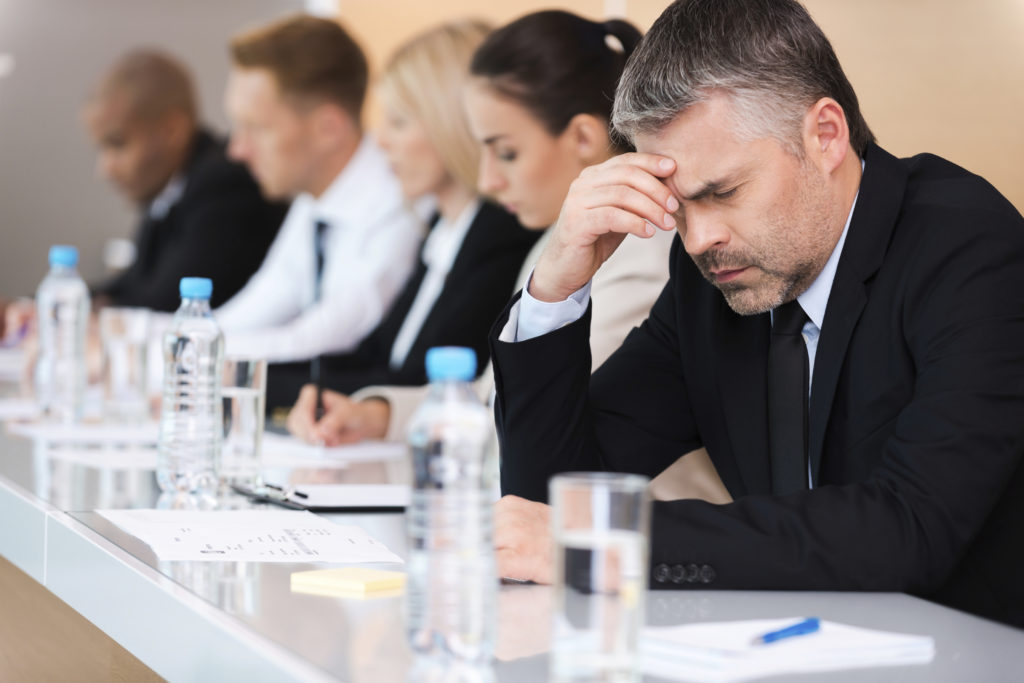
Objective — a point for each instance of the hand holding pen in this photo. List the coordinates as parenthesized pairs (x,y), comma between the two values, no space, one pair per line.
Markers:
(344,421)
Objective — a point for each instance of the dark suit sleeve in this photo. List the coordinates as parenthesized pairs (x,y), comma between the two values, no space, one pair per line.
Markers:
(632,415)
(222,230)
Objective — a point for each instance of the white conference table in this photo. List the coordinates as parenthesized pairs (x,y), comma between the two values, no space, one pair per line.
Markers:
(203,621)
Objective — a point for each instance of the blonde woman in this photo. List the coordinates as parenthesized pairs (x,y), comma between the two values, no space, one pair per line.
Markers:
(474,249)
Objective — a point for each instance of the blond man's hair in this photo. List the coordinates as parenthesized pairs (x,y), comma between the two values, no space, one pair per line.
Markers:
(424,79)
(311,58)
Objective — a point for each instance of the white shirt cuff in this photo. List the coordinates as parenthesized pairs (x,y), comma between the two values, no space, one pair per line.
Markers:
(529,318)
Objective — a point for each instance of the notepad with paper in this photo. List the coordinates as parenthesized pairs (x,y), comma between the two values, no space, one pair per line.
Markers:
(725,651)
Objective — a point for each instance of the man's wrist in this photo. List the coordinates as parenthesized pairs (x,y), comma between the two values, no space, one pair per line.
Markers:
(549,291)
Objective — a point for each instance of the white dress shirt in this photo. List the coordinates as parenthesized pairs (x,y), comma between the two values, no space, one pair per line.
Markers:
(439,251)
(371,245)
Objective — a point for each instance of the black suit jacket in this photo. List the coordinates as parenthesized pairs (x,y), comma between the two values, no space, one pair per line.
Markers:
(476,288)
(916,414)
(220,228)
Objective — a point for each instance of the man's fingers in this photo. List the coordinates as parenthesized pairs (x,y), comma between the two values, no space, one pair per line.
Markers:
(631,201)
(615,220)
(636,178)
(511,564)
(655,164)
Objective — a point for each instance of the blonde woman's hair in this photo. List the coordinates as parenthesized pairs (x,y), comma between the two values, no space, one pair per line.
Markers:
(424,80)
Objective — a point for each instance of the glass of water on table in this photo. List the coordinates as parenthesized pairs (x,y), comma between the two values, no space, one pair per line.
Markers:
(601,525)
(244,390)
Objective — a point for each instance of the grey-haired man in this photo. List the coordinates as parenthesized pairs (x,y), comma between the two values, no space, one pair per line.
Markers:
(843,332)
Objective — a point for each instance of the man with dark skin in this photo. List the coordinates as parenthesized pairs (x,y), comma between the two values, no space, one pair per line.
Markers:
(202,214)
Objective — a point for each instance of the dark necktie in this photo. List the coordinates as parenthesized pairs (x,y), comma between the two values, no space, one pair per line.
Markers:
(315,365)
(788,378)
(319,239)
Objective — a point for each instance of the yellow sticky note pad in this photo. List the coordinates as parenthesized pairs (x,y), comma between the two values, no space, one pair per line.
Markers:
(355,582)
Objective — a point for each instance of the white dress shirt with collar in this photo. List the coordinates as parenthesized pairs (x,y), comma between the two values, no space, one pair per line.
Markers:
(371,246)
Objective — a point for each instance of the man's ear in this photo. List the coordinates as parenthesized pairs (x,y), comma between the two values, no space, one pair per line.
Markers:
(826,134)
(332,123)
(177,128)
(587,137)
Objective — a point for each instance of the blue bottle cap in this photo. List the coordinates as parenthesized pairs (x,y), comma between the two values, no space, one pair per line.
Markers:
(451,362)
(63,255)
(195,287)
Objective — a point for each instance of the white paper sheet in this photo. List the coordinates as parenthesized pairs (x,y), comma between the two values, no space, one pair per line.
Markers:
(250,536)
(723,651)
(88,432)
(353,495)
(288,451)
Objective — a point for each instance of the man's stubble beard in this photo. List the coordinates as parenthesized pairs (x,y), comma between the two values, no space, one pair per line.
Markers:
(783,275)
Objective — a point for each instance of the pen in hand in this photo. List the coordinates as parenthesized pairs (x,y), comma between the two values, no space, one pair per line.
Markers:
(800,628)
(316,376)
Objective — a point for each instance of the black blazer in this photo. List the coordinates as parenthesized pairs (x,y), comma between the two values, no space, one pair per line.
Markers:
(916,414)
(483,273)
(220,228)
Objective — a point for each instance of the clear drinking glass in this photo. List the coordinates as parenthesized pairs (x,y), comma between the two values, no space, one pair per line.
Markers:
(601,524)
(124,335)
(244,390)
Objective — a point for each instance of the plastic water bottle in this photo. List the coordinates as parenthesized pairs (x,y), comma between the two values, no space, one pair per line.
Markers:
(191,423)
(452,587)
(62,305)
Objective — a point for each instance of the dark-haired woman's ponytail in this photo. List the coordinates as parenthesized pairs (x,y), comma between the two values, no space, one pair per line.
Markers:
(625,33)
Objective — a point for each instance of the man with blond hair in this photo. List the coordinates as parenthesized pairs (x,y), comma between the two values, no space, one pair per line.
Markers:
(294,96)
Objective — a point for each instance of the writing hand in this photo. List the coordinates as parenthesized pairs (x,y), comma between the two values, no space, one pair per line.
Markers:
(344,421)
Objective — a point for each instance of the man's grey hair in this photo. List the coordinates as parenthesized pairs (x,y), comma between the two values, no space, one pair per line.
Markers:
(767,56)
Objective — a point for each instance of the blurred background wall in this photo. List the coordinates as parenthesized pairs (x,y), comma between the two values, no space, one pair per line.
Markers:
(942,76)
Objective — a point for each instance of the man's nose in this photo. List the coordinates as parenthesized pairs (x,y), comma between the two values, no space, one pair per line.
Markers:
(703,230)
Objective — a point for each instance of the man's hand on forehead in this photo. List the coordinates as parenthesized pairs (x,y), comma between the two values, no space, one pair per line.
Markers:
(624,195)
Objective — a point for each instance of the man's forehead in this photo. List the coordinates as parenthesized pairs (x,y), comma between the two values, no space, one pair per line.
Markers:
(698,165)
(110,112)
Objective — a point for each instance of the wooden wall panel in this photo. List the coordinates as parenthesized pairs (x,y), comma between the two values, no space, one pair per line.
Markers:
(940,76)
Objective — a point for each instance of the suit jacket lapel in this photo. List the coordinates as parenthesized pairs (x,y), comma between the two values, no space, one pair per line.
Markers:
(742,361)
(875,215)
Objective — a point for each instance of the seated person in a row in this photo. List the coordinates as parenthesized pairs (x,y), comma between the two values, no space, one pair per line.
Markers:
(348,244)
(842,331)
(474,249)
(538,106)
(202,215)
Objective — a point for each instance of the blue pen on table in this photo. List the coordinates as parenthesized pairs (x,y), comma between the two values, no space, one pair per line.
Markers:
(800,628)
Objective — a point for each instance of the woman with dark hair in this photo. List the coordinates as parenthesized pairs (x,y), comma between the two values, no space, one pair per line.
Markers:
(539,103)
